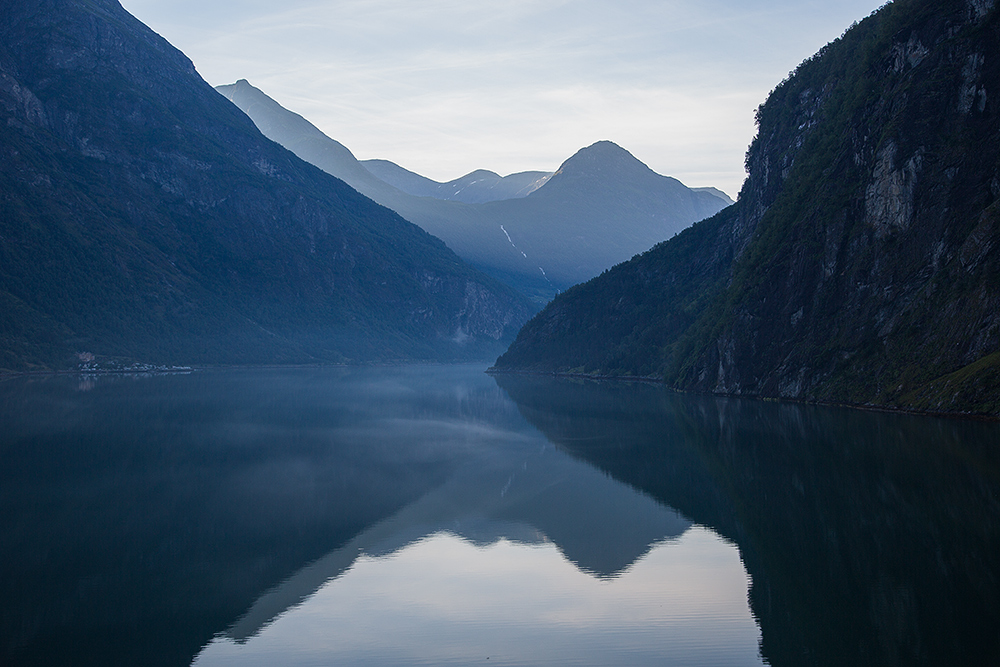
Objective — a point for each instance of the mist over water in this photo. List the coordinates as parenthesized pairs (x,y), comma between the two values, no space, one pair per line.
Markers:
(436,515)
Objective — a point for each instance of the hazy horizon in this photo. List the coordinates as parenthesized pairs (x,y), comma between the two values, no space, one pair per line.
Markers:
(444,87)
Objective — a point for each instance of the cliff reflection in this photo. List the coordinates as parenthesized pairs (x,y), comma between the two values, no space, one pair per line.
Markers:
(870,538)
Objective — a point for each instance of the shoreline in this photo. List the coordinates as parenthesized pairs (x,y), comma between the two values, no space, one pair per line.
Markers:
(868,407)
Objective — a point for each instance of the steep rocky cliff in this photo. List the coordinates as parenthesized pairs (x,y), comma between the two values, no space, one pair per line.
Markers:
(859,264)
(144,218)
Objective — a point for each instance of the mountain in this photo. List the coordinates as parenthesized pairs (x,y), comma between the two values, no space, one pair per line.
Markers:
(477,187)
(145,219)
(379,179)
(305,140)
(600,208)
(858,265)
(716,192)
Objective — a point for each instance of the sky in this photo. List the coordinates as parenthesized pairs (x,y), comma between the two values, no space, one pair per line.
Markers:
(443,87)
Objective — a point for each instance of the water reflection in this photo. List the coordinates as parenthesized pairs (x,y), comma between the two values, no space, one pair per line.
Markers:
(519,494)
(142,516)
(237,516)
(442,600)
(870,538)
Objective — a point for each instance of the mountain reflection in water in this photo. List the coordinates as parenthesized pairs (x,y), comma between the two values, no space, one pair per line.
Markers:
(143,517)
(516,494)
(870,538)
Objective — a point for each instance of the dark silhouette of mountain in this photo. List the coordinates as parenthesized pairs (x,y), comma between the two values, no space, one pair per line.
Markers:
(600,208)
(869,538)
(858,265)
(146,219)
(477,187)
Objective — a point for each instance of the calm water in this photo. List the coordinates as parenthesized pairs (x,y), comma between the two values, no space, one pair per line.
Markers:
(435,515)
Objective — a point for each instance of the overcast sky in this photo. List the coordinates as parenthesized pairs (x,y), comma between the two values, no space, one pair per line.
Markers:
(443,87)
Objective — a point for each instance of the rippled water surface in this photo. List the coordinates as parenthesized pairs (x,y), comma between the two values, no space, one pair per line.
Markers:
(427,515)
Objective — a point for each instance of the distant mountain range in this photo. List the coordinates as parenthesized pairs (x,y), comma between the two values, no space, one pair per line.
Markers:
(860,263)
(601,207)
(143,218)
(477,187)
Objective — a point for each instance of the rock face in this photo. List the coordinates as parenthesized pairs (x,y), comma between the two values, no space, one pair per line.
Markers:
(858,264)
(145,218)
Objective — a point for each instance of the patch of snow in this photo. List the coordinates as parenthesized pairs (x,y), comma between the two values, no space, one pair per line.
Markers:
(507,235)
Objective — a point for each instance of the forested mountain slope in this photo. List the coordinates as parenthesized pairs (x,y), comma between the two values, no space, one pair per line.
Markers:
(144,218)
(860,263)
